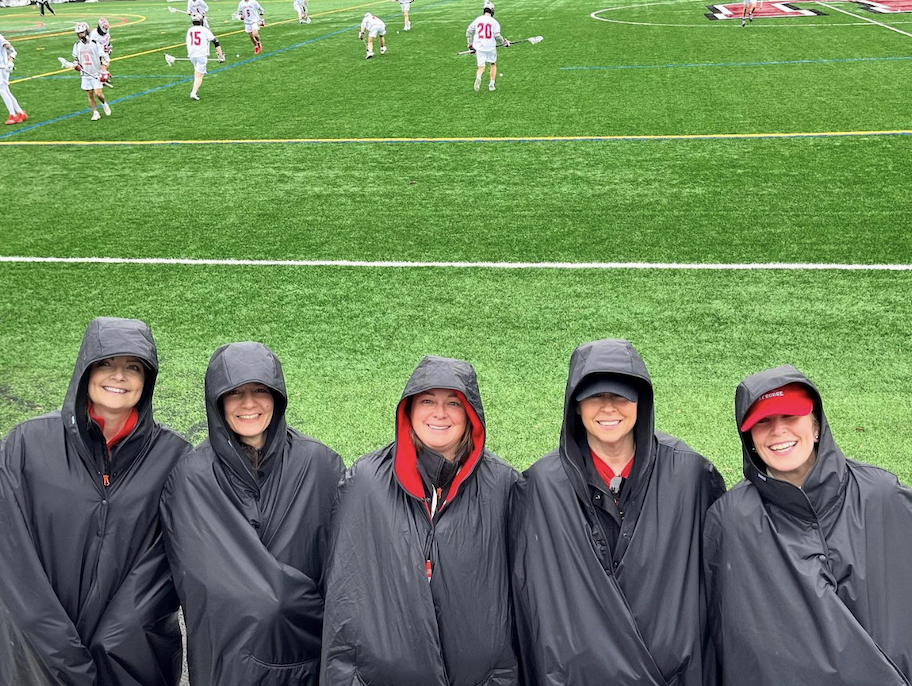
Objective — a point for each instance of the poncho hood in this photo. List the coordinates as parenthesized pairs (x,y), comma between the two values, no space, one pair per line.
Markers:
(233,365)
(438,372)
(826,480)
(107,337)
(619,358)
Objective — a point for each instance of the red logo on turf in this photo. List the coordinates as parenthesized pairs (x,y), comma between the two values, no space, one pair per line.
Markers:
(886,6)
(770,10)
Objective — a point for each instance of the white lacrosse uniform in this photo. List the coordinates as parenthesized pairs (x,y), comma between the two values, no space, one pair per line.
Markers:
(250,12)
(404,5)
(103,40)
(483,34)
(300,5)
(6,54)
(88,56)
(198,41)
(201,7)
(6,65)
(373,26)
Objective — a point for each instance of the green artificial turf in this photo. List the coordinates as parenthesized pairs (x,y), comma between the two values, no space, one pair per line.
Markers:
(350,337)
(729,201)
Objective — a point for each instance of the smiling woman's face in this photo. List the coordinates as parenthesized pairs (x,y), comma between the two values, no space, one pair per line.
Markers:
(116,383)
(787,445)
(248,411)
(439,420)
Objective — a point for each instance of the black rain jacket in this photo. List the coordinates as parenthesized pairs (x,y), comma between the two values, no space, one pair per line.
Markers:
(387,622)
(247,549)
(810,585)
(591,613)
(85,577)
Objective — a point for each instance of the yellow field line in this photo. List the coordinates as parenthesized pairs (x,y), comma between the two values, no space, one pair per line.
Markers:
(180,45)
(474,139)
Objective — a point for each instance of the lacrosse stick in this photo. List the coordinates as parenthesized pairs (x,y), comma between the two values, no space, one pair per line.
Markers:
(236,16)
(174,10)
(72,65)
(171,59)
(533,39)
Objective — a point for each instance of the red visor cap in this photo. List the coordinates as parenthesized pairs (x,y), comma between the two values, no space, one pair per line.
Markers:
(793,399)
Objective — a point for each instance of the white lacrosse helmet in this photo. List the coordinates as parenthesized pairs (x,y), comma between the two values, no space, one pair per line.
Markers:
(488,5)
(81,27)
(103,24)
(367,14)
(196,16)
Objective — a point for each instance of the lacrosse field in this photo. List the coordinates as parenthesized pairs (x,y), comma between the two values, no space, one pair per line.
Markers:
(728,199)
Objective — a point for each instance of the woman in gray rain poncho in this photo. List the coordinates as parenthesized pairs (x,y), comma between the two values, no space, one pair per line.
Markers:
(808,559)
(417,583)
(85,578)
(605,535)
(245,517)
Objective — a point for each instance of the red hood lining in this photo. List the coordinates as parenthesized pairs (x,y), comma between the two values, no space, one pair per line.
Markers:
(406,458)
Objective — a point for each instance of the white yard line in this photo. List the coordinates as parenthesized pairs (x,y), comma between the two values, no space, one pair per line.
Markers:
(858,16)
(395,264)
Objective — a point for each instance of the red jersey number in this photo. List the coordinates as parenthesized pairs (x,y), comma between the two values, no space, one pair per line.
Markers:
(197,39)
(484,31)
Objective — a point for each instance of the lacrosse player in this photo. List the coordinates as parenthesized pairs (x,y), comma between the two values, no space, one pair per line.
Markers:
(87,57)
(101,35)
(198,39)
(253,16)
(200,7)
(45,5)
(482,36)
(301,8)
(374,27)
(7,54)
(404,6)
(747,10)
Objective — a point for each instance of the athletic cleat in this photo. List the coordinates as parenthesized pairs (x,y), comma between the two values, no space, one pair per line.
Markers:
(257,49)
(307,21)
(743,24)
(194,96)
(478,83)
(96,115)
(22,117)
(750,18)
(382,49)
(107,109)
(300,21)
(13,119)
(491,86)
(370,53)
(408,27)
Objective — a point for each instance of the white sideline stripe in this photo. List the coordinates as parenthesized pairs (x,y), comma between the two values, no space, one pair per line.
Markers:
(858,16)
(393,264)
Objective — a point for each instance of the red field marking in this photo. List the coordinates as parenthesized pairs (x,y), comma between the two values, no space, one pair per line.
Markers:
(770,10)
(30,26)
(886,6)
(118,20)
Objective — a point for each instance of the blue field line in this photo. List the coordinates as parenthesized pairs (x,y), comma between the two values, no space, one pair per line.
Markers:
(188,79)
(737,64)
